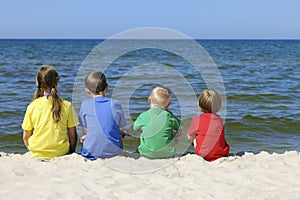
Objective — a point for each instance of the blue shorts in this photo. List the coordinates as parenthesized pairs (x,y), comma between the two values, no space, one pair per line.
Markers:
(87,154)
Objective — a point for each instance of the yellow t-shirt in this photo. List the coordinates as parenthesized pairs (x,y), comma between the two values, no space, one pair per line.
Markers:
(49,139)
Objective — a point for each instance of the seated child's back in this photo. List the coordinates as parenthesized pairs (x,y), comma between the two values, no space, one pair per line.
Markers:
(207,130)
(101,119)
(158,125)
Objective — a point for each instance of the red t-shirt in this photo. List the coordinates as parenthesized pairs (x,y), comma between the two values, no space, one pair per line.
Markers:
(210,138)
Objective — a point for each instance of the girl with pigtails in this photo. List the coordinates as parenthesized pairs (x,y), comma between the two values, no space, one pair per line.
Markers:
(49,125)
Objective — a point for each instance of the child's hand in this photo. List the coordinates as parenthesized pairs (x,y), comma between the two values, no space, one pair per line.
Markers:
(124,133)
(181,132)
(191,138)
(178,134)
(127,131)
(82,138)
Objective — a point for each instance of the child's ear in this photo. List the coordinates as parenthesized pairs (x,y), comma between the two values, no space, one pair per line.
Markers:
(106,88)
(168,105)
(149,100)
(88,92)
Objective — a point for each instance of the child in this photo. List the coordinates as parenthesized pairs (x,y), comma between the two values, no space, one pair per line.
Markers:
(157,125)
(101,119)
(48,118)
(207,131)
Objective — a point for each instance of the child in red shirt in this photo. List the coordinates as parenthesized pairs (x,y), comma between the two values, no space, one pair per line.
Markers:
(206,131)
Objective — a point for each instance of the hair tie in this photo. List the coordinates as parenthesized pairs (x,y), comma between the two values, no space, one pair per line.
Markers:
(48,95)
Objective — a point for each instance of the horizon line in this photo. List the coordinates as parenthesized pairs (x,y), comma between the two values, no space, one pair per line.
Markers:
(82,38)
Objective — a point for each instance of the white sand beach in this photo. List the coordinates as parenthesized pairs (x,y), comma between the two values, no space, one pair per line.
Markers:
(251,176)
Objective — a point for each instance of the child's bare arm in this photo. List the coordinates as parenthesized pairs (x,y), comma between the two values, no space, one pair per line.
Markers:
(125,132)
(26,136)
(178,134)
(129,131)
(191,138)
(84,132)
(72,133)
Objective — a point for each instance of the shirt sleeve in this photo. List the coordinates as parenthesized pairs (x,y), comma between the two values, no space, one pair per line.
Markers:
(73,120)
(27,122)
(81,117)
(194,126)
(119,115)
(176,124)
(139,123)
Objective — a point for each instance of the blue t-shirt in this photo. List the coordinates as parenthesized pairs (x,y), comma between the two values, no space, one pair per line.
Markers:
(103,118)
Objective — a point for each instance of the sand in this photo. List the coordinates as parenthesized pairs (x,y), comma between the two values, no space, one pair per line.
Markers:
(250,176)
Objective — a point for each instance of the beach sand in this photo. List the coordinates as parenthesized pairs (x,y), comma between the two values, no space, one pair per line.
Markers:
(250,176)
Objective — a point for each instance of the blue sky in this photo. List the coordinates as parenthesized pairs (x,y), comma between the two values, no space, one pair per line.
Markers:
(214,19)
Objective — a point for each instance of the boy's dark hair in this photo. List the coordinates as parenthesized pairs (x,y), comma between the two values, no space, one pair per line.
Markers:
(95,82)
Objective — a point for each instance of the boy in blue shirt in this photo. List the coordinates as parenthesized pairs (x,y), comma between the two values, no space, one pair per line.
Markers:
(101,119)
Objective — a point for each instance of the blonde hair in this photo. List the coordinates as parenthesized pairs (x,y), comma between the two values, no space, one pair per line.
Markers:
(95,82)
(160,97)
(209,101)
(47,79)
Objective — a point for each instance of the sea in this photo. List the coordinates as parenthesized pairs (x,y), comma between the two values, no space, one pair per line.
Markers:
(259,81)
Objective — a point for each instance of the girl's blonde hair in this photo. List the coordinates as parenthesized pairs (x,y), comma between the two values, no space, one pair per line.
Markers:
(209,101)
(160,96)
(47,79)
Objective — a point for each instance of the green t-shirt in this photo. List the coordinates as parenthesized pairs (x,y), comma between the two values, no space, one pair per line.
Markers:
(158,129)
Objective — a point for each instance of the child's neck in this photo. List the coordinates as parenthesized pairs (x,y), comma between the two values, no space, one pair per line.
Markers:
(101,94)
(46,92)
(153,106)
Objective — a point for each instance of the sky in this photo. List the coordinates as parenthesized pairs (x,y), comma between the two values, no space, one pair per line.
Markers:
(199,19)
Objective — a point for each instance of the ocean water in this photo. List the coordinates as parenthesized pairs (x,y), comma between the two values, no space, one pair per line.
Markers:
(260,78)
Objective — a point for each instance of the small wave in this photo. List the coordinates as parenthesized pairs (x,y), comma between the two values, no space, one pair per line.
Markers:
(243,127)
(12,148)
(257,97)
(31,57)
(6,114)
(3,63)
(271,107)
(252,118)
(11,138)
(38,64)
(268,126)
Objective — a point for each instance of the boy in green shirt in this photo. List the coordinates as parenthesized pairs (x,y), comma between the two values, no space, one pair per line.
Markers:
(159,126)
